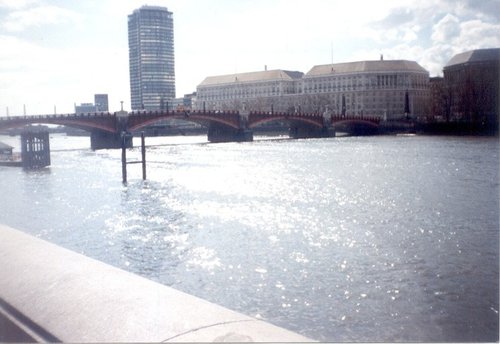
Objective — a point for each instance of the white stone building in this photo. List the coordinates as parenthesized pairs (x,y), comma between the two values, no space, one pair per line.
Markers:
(369,88)
(364,88)
(259,91)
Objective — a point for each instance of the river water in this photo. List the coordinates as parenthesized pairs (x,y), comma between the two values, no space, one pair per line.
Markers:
(384,238)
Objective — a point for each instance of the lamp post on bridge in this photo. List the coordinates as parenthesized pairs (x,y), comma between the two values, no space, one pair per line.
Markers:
(122,119)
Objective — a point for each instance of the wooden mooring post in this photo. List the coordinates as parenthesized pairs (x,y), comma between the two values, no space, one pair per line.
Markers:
(124,157)
(143,155)
(35,148)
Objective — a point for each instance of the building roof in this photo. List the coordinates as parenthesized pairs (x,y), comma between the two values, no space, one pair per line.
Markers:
(268,75)
(152,8)
(366,66)
(473,56)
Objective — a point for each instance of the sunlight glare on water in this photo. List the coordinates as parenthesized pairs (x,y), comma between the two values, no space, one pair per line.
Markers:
(344,239)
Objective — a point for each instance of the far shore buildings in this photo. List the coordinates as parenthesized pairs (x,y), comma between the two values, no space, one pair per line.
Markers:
(363,88)
(101,104)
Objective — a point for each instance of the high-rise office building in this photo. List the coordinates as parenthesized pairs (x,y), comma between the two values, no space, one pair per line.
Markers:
(101,102)
(151,57)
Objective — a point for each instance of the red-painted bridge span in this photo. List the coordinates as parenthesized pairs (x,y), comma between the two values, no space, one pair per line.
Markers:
(222,125)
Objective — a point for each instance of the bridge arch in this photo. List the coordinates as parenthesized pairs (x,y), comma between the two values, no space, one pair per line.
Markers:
(356,125)
(87,122)
(369,123)
(142,119)
(256,119)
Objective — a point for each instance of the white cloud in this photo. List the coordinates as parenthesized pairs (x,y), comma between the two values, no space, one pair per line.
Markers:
(475,34)
(38,16)
(446,29)
(15,4)
(451,36)
(432,31)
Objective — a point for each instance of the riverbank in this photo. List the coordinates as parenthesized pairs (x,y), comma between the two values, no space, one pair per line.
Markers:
(457,128)
(49,293)
(438,128)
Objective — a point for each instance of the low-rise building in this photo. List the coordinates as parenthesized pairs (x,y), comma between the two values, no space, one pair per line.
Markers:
(101,104)
(266,90)
(85,108)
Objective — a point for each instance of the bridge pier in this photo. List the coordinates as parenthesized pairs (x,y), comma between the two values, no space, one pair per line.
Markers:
(35,148)
(301,131)
(105,140)
(357,129)
(222,133)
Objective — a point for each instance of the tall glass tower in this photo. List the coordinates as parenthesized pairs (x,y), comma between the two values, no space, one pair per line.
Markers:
(151,57)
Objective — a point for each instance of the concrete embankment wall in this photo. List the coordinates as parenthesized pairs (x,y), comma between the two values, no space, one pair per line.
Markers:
(48,293)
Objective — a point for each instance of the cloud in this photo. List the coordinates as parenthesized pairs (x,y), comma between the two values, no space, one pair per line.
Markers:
(396,17)
(451,36)
(23,19)
(446,29)
(482,9)
(431,32)
(487,8)
(476,34)
(16,4)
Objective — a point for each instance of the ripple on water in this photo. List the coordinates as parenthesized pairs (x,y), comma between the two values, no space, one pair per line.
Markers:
(343,239)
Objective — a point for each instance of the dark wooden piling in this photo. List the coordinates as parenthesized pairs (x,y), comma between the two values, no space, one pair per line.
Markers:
(124,157)
(143,154)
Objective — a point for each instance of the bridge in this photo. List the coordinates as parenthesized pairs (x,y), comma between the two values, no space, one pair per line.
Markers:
(223,126)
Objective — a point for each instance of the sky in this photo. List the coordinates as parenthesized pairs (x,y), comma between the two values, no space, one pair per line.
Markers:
(55,53)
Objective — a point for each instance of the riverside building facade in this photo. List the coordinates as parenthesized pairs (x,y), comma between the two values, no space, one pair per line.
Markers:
(151,57)
(266,90)
(371,88)
(374,88)
(472,86)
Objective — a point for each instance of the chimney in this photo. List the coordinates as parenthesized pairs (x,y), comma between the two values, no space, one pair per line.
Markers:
(381,57)
(265,68)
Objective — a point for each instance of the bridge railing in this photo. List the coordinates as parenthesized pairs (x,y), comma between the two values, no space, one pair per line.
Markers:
(182,112)
(289,114)
(373,119)
(54,116)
